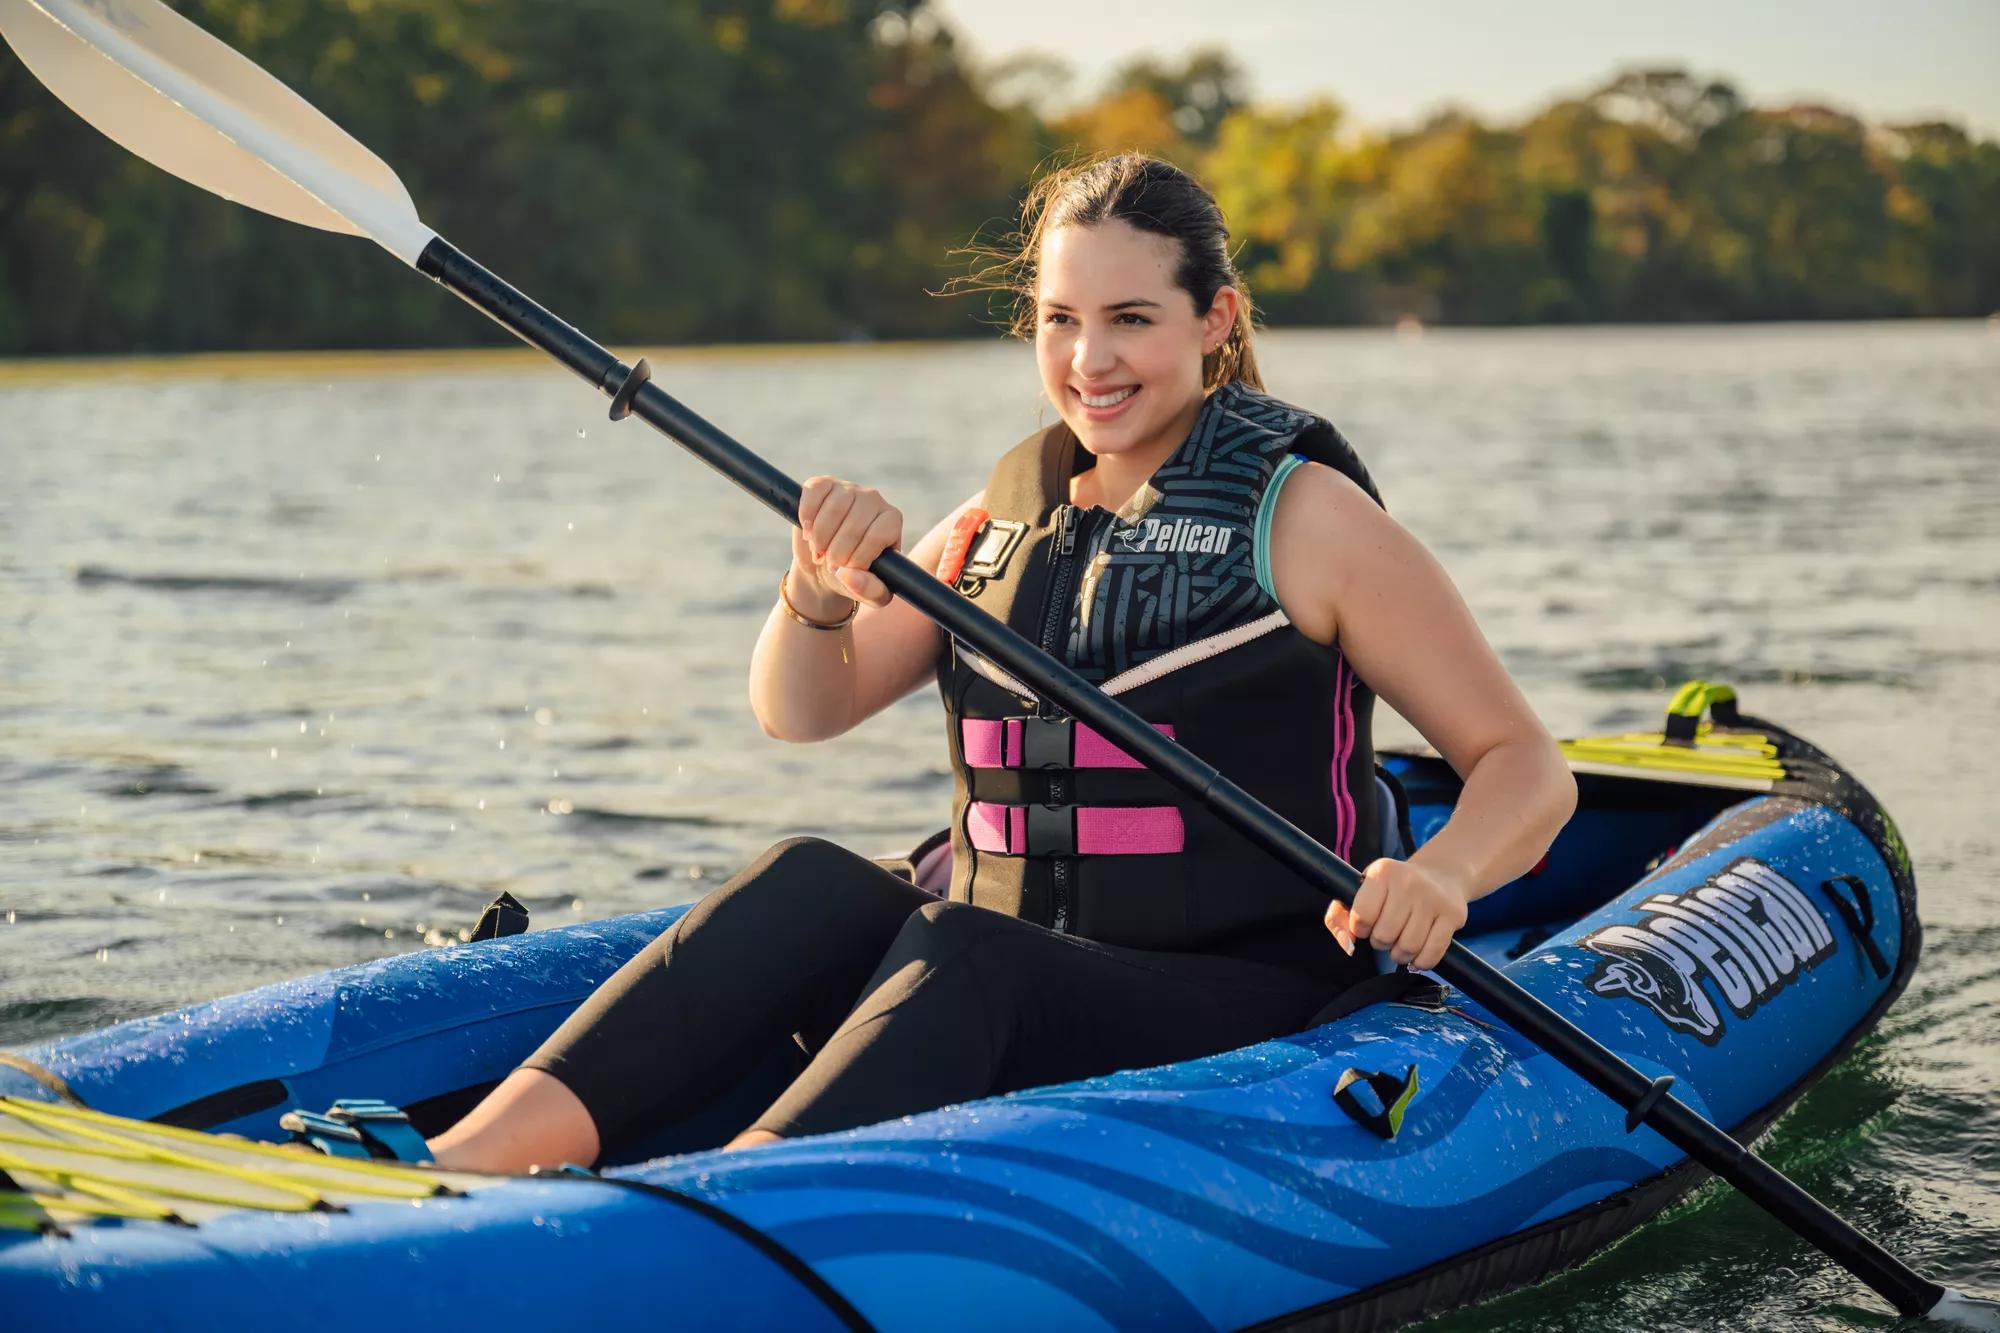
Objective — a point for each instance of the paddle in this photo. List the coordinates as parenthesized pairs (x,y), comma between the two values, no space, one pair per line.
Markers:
(181,99)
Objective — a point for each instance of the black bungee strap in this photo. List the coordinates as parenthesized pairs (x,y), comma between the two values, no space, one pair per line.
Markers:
(503,916)
(1859,917)
(1392,1097)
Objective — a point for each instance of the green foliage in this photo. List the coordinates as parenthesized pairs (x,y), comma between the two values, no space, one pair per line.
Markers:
(799,169)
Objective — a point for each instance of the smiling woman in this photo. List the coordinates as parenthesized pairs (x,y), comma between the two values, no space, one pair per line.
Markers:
(1217,557)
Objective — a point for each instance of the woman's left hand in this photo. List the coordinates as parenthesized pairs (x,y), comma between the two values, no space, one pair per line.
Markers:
(1408,909)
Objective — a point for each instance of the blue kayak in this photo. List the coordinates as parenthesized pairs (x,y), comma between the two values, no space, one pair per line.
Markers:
(1728,907)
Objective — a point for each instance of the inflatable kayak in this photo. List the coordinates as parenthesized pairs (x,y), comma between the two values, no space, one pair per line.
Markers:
(1728,907)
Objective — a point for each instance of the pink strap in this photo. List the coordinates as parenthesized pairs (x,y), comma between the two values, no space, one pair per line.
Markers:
(1101,830)
(997,743)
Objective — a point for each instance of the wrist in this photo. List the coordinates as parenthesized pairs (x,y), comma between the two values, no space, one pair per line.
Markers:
(807,598)
(1452,877)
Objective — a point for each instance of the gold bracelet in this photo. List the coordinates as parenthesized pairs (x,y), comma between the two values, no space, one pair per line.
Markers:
(853,609)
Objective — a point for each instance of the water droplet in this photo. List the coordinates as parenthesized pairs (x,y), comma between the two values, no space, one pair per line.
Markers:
(543,717)
(503,745)
(302,729)
(389,934)
(10,916)
(274,752)
(579,432)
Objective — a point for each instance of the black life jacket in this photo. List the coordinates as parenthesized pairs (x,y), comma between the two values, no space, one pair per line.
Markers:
(1159,604)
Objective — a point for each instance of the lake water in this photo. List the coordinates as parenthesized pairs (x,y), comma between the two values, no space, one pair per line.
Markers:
(306,658)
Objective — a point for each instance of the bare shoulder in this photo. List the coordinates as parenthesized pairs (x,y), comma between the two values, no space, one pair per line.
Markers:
(1326,531)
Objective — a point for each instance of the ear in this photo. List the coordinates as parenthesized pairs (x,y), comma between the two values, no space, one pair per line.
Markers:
(1221,316)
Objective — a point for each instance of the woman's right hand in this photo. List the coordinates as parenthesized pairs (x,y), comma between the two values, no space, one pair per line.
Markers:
(842,528)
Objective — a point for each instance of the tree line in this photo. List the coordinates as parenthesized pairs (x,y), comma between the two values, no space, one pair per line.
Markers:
(804,169)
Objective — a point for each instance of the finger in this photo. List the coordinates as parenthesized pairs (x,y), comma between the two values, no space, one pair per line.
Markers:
(1435,945)
(886,531)
(1337,925)
(1367,909)
(828,520)
(842,546)
(1394,922)
(811,496)
(865,587)
(869,587)
(1410,936)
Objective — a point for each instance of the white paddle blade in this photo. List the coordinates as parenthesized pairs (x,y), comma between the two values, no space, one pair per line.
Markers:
(161,87)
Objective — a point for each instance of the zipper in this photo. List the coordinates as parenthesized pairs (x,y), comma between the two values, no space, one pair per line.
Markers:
(1062,551)
(1055,618)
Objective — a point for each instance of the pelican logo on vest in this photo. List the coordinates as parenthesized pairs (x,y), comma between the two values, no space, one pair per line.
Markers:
(1176,534)
(1746,929)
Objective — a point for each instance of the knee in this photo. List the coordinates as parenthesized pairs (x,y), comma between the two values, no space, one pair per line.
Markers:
(808,882)
(800,858)
(943,933)
(797,869)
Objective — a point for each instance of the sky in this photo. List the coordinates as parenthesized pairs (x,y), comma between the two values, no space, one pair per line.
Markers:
(1390,63)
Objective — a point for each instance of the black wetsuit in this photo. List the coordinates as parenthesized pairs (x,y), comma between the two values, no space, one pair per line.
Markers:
(905,1003)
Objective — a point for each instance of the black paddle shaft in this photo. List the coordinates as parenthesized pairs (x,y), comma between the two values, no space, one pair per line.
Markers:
(1595,1063)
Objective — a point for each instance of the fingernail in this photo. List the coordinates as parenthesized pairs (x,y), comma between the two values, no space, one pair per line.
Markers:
(1345,940)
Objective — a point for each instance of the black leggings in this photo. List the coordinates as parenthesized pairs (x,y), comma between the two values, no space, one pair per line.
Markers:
(903,1002)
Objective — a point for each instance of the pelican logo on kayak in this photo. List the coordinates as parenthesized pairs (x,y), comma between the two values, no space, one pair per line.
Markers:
(1747,929)
(1177,534)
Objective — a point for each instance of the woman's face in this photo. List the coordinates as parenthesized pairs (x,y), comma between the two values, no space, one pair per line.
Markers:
(1119,344)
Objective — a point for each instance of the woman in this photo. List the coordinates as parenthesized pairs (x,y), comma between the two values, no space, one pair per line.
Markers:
(1213,556)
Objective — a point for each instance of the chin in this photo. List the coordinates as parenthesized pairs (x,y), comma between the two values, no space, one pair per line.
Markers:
(1099,441)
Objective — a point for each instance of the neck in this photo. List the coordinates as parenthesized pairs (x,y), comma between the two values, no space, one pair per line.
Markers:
(1116,478)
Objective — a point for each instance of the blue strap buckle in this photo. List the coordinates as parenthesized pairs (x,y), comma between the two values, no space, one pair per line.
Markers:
(382,1126)
(326,1134)
(359,1127)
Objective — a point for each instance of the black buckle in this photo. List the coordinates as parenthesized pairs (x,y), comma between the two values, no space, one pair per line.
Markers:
(1051,830)
(1048,742)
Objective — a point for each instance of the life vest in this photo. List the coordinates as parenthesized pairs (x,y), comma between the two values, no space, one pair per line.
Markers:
(1162,604)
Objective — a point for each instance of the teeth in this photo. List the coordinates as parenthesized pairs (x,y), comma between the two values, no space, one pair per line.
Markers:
(1109,399)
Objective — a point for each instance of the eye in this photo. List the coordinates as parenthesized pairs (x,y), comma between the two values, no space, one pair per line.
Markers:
(1128,316)
(1055,317)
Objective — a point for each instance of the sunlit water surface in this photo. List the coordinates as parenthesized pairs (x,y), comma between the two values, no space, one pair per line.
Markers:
(305,659)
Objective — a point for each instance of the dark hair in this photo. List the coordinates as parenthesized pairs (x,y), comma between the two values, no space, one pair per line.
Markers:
(1151,195)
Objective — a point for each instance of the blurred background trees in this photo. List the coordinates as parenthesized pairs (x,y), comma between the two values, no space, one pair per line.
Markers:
(802,169)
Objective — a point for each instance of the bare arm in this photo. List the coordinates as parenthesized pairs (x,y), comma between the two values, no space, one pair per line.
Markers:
(811,685)
(1344,569)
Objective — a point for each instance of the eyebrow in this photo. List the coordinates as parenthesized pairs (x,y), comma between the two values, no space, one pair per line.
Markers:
(1132,304)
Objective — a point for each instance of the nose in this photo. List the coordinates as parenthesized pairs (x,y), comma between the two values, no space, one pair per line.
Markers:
(1092,358)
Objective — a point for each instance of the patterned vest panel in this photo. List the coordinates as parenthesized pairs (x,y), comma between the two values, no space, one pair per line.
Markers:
(1159,605)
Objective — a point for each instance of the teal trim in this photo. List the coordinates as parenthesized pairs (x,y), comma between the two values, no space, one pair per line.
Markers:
(1267,509)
